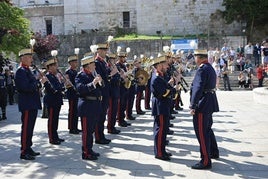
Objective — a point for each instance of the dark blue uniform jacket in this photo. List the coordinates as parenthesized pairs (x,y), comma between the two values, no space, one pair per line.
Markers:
(53,91)
(85,88)
(203,97)
(162,95)
(28,90)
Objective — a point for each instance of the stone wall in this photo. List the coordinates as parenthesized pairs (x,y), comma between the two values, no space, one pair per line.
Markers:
(171,17)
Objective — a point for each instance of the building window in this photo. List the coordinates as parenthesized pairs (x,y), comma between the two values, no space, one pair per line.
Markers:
(49,27)
(126,20)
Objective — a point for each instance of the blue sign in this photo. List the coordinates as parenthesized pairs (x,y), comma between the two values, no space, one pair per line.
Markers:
(184,44)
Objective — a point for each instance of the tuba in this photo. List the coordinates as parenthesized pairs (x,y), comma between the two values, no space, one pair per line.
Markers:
(142,77)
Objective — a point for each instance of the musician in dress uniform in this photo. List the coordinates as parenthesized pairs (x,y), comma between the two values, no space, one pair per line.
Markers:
(125,84)
(53,99)
(3,94)
(102,69)
(89,104)
(139,88)
(203,102)
(28,102)
(72,97)
(114,95)
(131,91)
(163,93)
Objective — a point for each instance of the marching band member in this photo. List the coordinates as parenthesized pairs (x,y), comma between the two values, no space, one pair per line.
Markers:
(28,101)
(139,87)
(103,70)
(114,95)
(203,102)
(53,99)
(124,86)
(131,90)
(72,97)
(163,93)
(89,104)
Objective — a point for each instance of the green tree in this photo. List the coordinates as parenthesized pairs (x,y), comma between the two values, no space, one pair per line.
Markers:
(253,12)
(14,28)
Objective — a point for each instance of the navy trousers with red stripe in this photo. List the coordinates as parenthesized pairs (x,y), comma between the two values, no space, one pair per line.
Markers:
(28,119)
(99,131)
(88,126)
(138,101)
(112,111)
(205,136)
(160,134)
(147,97)
(72,115)
(53,122)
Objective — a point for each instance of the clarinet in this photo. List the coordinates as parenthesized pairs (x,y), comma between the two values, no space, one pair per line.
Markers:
(42,75)
(67,80)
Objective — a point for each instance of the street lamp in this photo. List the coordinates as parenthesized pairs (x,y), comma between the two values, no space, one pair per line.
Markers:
(159,33)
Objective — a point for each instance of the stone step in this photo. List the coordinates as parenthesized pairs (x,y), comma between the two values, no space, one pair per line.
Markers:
(232,78)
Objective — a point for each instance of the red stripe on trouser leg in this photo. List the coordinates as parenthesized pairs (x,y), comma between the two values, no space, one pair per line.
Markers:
(50,125)
(25,129)
(71,105)
(84,135)
(160,136)
(202,138)
(109,114)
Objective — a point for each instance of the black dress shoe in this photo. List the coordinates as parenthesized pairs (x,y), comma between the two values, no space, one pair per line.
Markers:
(170,132)
(174,112)
(167,142)
(200,166)
(61,140)
(89,157)
(215,156)
(131,118)
(95,154)
(33,153)
(168,154)
(122,124)
(140,112)
(179,108)
(4,118)
(149,108)
(74,132)
(102,141)
(164,157)
(171,125)
(114,131)
(56,142)
(27,157)
(171,117)
(109,140)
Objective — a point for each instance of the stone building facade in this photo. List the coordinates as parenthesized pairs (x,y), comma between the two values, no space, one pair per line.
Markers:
(168,17)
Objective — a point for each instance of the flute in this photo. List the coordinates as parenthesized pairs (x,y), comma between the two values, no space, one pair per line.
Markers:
(42,75)
(95,74)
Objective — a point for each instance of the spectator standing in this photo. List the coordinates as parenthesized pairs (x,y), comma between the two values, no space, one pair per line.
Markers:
(225,77)
(9,77)
(257,54)
(260,74)
(249,51)
(3,95)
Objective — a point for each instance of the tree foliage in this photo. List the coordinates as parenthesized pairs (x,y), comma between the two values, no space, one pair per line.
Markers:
(253,12)
(14,28)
